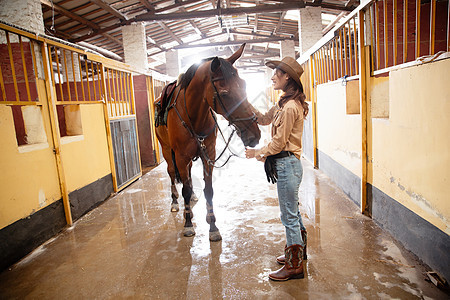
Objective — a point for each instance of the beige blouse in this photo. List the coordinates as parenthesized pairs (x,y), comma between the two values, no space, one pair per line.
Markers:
(287,129)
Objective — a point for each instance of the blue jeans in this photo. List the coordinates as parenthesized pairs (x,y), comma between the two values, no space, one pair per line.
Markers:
(290,174)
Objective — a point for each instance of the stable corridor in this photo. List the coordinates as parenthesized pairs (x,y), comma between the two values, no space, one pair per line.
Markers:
(131,247)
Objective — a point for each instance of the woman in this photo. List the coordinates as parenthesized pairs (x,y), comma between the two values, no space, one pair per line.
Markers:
(284,150)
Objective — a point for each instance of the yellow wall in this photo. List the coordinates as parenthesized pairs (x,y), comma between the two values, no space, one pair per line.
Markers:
(338,133)
(409,156)
(411,149)
(86,158)
(29,177)
(28,180)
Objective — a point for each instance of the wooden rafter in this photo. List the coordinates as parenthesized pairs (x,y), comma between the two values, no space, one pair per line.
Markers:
(76,17)
(110,9)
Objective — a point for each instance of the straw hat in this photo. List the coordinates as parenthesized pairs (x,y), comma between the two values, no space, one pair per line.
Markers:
(288,65)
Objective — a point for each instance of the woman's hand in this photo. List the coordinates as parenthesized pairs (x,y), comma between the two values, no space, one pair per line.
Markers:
(250,153)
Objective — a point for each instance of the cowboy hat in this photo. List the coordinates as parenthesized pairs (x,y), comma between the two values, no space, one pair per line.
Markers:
(288,65)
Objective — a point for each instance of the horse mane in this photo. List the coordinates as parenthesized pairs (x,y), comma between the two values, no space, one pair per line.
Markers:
(226,67)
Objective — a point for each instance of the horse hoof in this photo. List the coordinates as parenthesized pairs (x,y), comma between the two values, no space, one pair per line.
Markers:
(175,208)
(188,231)
(214,236)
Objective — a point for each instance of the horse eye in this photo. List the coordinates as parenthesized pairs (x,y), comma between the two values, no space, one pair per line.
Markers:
(224,93)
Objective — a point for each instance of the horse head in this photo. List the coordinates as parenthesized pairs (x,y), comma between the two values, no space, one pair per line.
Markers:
(229,98)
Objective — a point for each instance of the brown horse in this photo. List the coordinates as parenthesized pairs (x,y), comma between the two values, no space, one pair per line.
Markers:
(213,86)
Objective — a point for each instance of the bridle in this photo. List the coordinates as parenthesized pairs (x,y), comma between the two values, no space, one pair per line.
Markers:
(217,98)
(200,139)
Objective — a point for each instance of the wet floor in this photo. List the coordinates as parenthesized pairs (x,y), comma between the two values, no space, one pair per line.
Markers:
(132,247)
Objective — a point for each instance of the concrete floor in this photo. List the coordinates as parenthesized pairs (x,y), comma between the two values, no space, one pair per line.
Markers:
(132,247)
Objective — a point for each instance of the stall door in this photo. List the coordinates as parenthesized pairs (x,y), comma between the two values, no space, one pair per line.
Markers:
(126,152)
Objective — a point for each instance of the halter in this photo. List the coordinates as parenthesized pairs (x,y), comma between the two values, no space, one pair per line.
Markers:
(217,98)
(200,139)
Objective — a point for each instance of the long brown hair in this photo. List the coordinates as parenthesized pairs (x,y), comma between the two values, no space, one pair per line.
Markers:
(294,91)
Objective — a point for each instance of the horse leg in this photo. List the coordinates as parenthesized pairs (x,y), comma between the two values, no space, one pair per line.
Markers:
(188,214)
(174,206)
(194,198)
(173,189)
(185,171)
(214,234)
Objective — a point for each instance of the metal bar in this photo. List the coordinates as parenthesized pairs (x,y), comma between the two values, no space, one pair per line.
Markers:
(13,70)
(417,28)
(118,95)
(67,74)
(340,54)
(377,39)
(74,77)
(386,48)
(355,45)
(81,76)
(2,85)
(432,26)
(131,91)
(93,80)
(55,134)
(25,73)
(99,82)
(394,31)
(405,30)
(330,69)
(345,49)
(327,67)
(33,55)
(122,92)
(372,50)
(116,107)
(50,61)
(322,67)
(108,99)
(336,65)
(87,79)
(350,52)
(59,73)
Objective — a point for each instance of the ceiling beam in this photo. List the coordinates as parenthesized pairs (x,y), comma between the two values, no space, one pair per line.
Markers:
(280,22)
(76,17)
(228,43)
(170,32)
(147,5)
(110,9)
(265,8)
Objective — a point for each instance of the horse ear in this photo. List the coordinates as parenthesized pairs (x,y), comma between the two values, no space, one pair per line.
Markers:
(215,64)
(236,54)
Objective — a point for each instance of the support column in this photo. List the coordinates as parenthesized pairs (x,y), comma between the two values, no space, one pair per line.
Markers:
(287,48)
(135,46)
(24,13)
(172,63)
(309,27)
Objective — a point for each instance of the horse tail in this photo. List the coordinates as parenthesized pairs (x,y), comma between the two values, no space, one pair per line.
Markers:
(177,173)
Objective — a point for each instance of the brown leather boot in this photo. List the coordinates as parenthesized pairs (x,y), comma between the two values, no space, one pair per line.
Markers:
(293,268)
(281,258)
